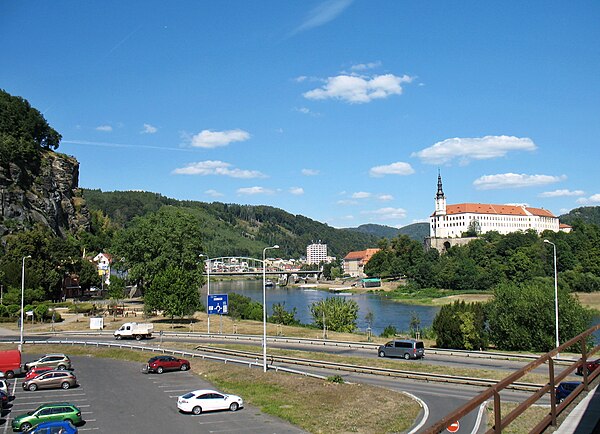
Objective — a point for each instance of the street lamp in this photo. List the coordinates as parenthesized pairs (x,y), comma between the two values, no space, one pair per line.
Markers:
(555,296)
(265,307)
(207,291)
(22,299)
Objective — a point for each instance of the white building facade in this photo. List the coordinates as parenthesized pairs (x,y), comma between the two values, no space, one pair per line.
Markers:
(316,253)
(449,221)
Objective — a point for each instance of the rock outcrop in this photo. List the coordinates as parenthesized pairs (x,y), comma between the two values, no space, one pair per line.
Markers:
(50,197)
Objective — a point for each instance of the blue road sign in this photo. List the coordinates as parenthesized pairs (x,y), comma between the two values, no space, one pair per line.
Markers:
(217,304)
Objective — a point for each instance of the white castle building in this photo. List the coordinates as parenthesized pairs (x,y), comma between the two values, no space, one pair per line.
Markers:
(450,221)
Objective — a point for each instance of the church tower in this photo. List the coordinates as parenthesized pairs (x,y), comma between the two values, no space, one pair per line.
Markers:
(440,199)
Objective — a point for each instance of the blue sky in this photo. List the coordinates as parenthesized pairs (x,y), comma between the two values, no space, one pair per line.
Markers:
(339,110)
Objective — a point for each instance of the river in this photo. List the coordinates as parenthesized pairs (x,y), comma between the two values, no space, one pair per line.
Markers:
(385,311)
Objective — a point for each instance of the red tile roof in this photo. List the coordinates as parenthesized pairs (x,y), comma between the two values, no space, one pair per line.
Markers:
(486,208)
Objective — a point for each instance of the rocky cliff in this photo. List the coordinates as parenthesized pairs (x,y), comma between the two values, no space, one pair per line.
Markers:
(50,197)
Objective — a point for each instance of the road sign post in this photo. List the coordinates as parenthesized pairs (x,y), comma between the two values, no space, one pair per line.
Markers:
(218,304)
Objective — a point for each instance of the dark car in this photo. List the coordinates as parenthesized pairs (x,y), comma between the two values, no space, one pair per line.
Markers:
(59,427)
(590,366)
(160,364)
(564,389)
(4,400)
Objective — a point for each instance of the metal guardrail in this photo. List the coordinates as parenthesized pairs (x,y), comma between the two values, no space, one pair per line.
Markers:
(342,344)
(555,409)
(423,376)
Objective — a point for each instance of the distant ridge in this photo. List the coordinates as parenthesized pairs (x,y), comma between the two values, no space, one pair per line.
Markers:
(587,214)
(415,231)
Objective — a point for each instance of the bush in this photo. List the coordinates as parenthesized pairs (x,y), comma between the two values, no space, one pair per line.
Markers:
(389,332)
(336,379)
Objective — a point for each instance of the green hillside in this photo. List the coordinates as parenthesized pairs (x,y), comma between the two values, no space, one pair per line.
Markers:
(232,229)
(415,231)
(587,214)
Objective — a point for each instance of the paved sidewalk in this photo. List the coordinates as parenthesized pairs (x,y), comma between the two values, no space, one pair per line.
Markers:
(8,332)
(585,417)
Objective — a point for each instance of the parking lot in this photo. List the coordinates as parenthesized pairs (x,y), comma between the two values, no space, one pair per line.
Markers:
(115,396)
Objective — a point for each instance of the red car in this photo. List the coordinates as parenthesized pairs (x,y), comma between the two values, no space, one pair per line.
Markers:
(160,364)
(590,366)
(34,372)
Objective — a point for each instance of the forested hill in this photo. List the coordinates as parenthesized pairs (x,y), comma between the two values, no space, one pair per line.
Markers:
(587,214)
(415,231)
(231,229)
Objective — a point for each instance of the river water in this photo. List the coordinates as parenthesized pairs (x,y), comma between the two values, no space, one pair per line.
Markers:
(385,311)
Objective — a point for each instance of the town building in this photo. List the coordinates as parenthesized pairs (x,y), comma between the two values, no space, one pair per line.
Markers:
(453,221)
(316,253)
(354,262)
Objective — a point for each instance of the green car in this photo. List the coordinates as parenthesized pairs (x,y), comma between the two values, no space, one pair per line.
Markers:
(47,413)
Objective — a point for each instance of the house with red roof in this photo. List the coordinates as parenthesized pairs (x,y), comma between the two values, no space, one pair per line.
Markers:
(354,262)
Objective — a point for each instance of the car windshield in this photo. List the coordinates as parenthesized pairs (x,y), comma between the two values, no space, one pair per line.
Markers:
(188,395)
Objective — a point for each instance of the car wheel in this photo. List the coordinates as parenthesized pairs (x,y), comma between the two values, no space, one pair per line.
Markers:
(32,387)
(197,409)
(138,337)
(61,367)
(184,367)
(160,370)
(382,354)
(406,356)
(118,337)
(65,385)
(234,406)
(25,426)
(9,374)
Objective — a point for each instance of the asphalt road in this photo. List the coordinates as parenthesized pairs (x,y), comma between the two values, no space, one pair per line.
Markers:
(116,397)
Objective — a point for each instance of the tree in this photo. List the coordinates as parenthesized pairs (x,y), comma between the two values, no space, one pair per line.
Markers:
(521,317)
(461,325)
(340,314)
(242,307)
(175,291)
(282,316)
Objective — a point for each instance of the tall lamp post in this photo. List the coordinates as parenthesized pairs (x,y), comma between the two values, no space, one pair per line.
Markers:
(265,307)
(22,299)
(207,291)
(555,295)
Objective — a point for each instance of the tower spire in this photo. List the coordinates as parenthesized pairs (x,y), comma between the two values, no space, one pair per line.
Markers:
(440,191)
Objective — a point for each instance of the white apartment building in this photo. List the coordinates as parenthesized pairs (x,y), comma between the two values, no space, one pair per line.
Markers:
(450,221)
(316,253)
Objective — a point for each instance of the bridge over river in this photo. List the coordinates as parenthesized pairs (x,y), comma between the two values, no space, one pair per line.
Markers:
(245,266)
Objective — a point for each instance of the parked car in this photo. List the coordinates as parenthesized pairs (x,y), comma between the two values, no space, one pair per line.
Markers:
(159,364)
(62,411)
(407,348)
(564,389)
(60,427)
(199,401)
(34,372)
(10,362)
(590,366)
(51,380)
(4,399)
(3,384)
(56,361)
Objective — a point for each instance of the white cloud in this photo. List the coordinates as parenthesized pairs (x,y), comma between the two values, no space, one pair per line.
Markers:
(354,89)
(220,168)
(476,148)
(398,168)
(385,197)
(387,213)
(106,128)
(514,180)
(254,190)
(214,139)
(365,66)
(595,198)
(310,172)
(149,129)
(297,191)
(213,193)
(361,195)
(307,111)
(562,193)
(346,202)
(322,14)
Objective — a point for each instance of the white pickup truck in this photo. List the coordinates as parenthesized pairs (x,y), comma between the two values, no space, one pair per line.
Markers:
(134,330)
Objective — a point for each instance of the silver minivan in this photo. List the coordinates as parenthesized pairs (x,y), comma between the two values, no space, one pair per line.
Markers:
(406,348)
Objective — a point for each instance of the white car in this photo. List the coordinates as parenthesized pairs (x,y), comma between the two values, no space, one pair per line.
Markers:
(208,400)
(3,384)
